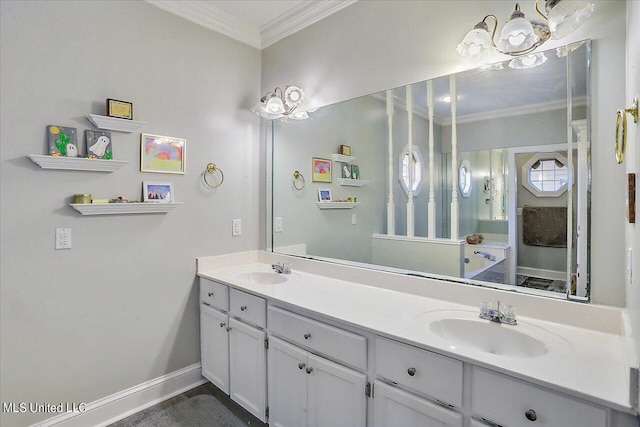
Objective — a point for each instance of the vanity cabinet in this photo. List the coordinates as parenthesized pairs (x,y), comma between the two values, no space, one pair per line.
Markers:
(214,346)
(309,390)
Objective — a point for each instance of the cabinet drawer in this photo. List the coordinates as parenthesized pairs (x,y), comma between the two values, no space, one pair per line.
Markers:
(511,402)
(249,308)
(214,294)
(336,343)
(423,371)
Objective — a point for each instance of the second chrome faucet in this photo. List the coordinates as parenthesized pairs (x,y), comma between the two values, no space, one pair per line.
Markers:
(507,316)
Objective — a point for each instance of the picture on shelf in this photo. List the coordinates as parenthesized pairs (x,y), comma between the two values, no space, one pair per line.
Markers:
(345,150)
(63,141)
(158,192)
(320,170)
(324,195)
(162,154)
(98,144)
(346,170)
(119,109)
(355,172)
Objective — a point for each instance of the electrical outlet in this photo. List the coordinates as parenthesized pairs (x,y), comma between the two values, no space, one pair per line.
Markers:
(63,238)
(237,227)
(277,224)
(354,219)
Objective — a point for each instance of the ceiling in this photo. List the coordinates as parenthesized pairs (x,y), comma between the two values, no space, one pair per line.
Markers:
(258,23)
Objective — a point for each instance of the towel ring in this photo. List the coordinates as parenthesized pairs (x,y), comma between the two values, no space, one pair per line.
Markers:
(621,128)
(212,168)
(297,178)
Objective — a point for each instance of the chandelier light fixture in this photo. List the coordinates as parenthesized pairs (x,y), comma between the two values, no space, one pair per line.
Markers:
(520,36)
(279,104)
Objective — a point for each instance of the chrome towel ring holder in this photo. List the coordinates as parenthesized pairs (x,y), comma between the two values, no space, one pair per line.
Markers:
(621,128)
(212,169)
(298,180)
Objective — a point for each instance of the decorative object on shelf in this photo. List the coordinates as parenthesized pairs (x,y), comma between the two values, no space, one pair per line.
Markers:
(630,211)
(298,181)
(98,144)
(621,128)
(115,124)
(212,169)
(280,104)
(520,36)
(345,150)
(119,109)
(355,172)
(62,141)
(345,168)
(324,195)
(321,170)
(81,198)
(76,163)
(162,154)
(157,192)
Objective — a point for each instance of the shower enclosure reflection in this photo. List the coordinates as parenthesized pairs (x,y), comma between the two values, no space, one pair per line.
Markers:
(447,172)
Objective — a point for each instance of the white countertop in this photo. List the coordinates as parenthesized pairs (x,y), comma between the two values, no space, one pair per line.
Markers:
(590,363)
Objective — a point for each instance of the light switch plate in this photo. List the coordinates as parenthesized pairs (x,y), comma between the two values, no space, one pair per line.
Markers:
(277,224)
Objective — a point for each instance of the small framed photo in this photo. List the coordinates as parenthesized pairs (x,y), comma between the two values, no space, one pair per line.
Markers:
(324,195)
(98,144)
(345,150)
(119,109)
(355,172)
(345,168)
(63,141)
(158,192)
(162,154)
(321,170)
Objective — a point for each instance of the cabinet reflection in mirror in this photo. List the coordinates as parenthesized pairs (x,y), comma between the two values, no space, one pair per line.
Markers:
(522,136)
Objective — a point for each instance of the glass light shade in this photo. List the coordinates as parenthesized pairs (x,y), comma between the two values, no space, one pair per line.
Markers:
(516,35)
(528,61)
(299,115)
(567,15)
(293,96)
(275,105)
(476,44)
(261,109)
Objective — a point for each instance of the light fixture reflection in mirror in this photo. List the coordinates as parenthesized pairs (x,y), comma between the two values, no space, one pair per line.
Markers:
(502,121)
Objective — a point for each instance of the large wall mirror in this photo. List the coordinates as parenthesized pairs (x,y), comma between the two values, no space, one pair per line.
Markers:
(517,132)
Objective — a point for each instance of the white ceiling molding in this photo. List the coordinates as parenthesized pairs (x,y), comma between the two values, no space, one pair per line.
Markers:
(204,13)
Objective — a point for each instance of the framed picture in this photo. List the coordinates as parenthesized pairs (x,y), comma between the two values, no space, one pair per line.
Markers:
(355,172)
(98,144)
(158,192)
(63,141)
(320,170)
(345,168)
(324,195)
(162,154)
(345,150)
(119,109)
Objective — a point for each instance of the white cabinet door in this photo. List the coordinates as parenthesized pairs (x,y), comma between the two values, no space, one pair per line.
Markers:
(393,407)
(287,379)
(247,367)
(214,347)
(336,395)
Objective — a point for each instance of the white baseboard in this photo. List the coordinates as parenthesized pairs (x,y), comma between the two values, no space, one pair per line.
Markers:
(120,405)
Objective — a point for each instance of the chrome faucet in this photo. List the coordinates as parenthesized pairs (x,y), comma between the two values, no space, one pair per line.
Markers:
(284,268)
(486,255)
(508,316)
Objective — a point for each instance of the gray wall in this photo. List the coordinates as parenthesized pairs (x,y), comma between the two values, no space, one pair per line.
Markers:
(400,42)
(119,308)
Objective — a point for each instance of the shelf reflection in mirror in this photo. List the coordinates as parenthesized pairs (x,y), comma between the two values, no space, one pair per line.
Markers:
(502,118)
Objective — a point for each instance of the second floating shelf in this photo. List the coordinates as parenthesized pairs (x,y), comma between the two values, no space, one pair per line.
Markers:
(113,123)
(123,208)
(337,205)
(347,182)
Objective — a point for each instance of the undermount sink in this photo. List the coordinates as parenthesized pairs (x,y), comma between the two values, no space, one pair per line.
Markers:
(260,277)
(489,337)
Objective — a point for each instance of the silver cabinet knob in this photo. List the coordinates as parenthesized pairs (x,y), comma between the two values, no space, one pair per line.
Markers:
(531,415)
(210,294)
(411,371)
(243,308)
(307,336)
(222,324)
(309,369)
(300,365)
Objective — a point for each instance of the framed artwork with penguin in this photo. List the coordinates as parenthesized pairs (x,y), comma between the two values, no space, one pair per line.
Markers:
(63,141)
(98,144)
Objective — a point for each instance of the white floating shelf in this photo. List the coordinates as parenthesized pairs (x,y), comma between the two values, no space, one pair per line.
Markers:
(123,208)
(76,163)
(337,205)
(343,158)
(352,182)
(113,123)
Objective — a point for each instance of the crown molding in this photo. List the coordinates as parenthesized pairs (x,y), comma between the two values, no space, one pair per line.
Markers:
(209,16)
